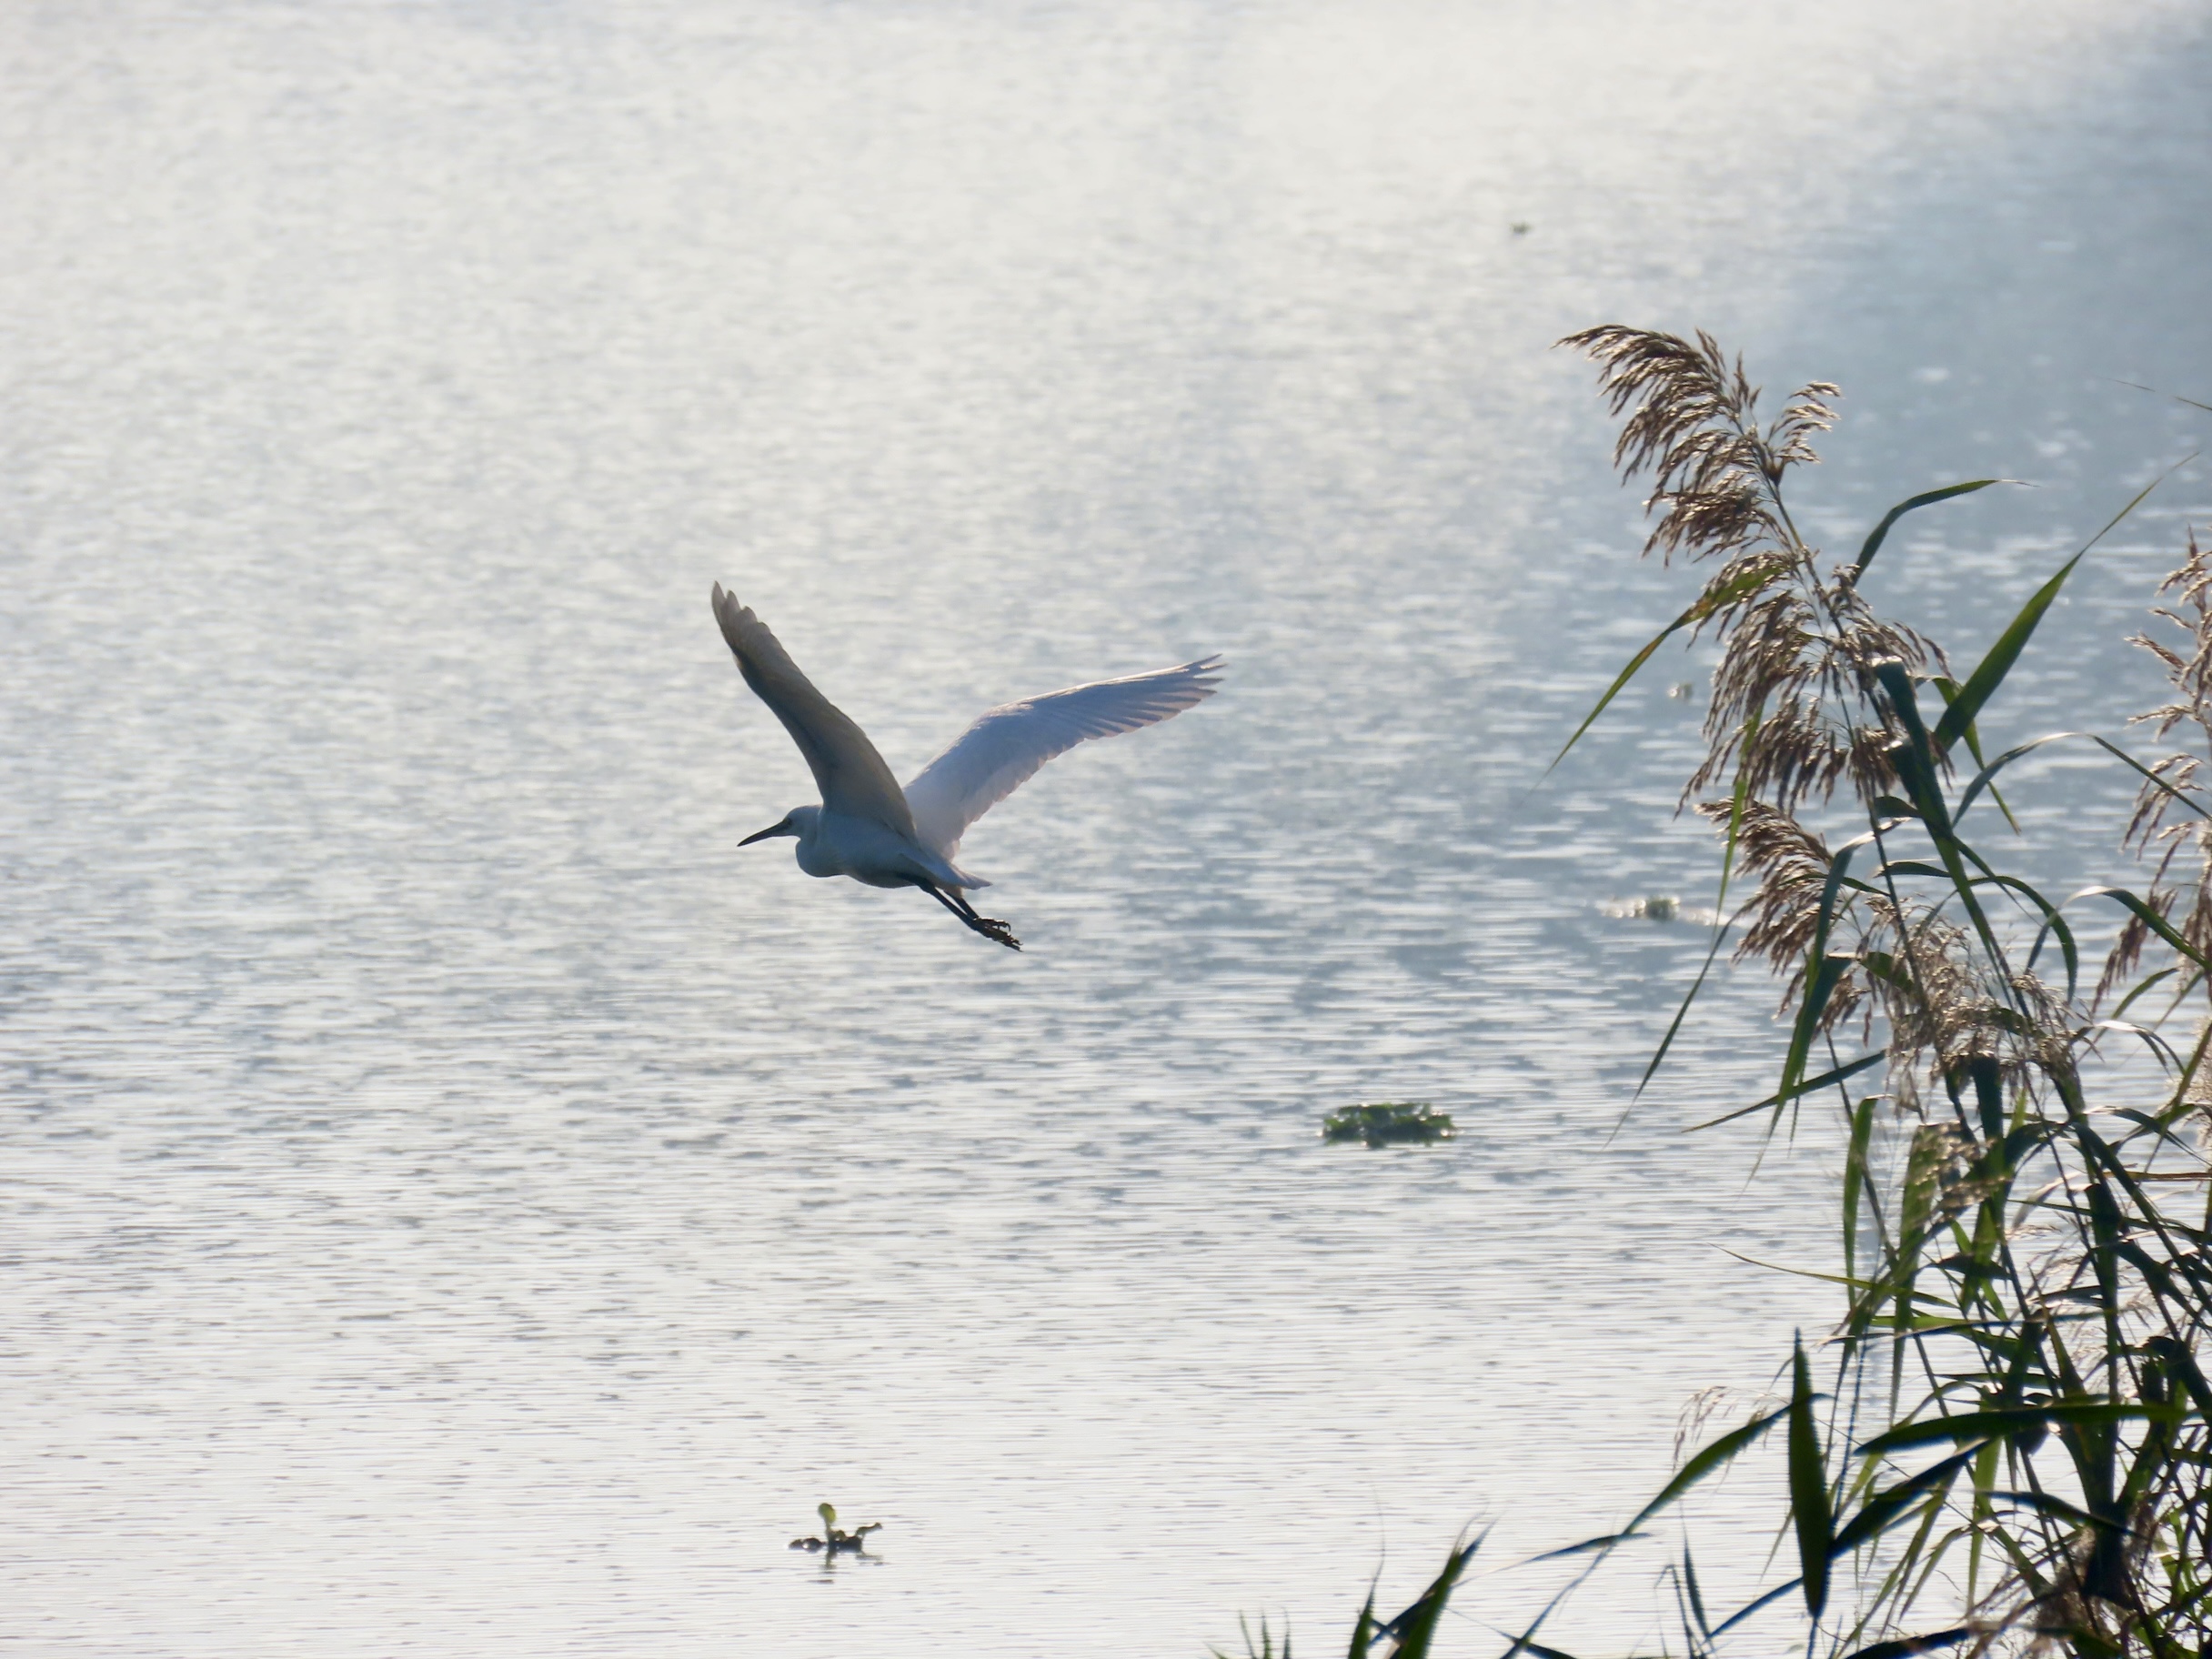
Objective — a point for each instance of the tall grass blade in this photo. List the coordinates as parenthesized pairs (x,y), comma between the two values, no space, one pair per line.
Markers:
(1697,1601)
(1803,1086)
(1949,690)
(2177,396)
(2010,1422)
(1526,1643)
(1855,1179)
(1809,1488)
(1363,1630)
(1589,1547)
(1982,779)
(2149,919)
(1872,543)
(1414,1629)
(1264,1648)
(1720,922)
(1917,762)
(1903,1647)
(1673,1029)
(1990,672)
(1755,1605)
(1715,599)
(1893,1505)
(1705,1463)
(2049,1503)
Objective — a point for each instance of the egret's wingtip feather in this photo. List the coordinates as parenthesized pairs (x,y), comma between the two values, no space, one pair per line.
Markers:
(730,617)
(847,769)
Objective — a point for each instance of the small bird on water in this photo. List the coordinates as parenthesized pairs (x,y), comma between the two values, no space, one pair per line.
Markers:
(869,828)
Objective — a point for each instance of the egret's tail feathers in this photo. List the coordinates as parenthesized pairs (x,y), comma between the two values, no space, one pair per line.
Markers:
(927,865)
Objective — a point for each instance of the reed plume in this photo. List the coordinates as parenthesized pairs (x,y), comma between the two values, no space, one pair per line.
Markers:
(2170,819)
(1798,649)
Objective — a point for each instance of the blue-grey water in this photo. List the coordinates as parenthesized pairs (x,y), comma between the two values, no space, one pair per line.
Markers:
(453,1201)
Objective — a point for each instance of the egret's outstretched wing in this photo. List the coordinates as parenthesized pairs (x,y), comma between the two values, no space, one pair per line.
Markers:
(851,776)
(1000,751)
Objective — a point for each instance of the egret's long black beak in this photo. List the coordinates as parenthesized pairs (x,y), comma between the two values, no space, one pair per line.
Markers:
(762,835)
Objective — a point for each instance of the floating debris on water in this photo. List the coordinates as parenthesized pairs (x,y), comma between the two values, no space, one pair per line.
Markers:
(1389,1124)
(833,1539)
(1657,907)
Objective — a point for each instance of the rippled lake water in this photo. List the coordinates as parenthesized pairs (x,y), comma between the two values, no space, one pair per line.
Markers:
(453,1201)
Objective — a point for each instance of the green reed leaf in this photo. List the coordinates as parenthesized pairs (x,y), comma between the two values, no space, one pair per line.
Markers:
(1363,1630)
(1855,1177)
(1809,1487)
(2010,1422)
(1803,1086)
(1714,599)
(2049,1503)
(1873,544)
(1697,1598)
(2149,983)
(1745,1612)
(1415,1629)
(2149,917)
(1894,1503)
(1949,689)
(1915,761)
(1720,922)
(1982,779)
(1705,1463)
(1591,1545)
(1990,672)
(1902,1647)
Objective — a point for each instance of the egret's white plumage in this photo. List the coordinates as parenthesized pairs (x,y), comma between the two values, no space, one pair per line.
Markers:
(869,828)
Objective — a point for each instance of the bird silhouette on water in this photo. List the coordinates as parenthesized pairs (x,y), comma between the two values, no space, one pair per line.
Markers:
(869,828)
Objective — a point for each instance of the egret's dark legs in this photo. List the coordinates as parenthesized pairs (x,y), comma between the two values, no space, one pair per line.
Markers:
(990,927)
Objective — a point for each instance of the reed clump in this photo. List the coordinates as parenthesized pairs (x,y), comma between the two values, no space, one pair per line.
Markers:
(2002,1444)
(2011,1443)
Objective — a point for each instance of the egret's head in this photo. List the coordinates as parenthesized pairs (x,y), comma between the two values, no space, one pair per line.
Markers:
(796,821)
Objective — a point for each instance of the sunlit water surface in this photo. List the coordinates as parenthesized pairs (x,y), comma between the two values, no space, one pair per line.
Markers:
(456,1202)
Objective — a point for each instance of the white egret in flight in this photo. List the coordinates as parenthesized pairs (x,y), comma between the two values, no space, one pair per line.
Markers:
(869,828)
